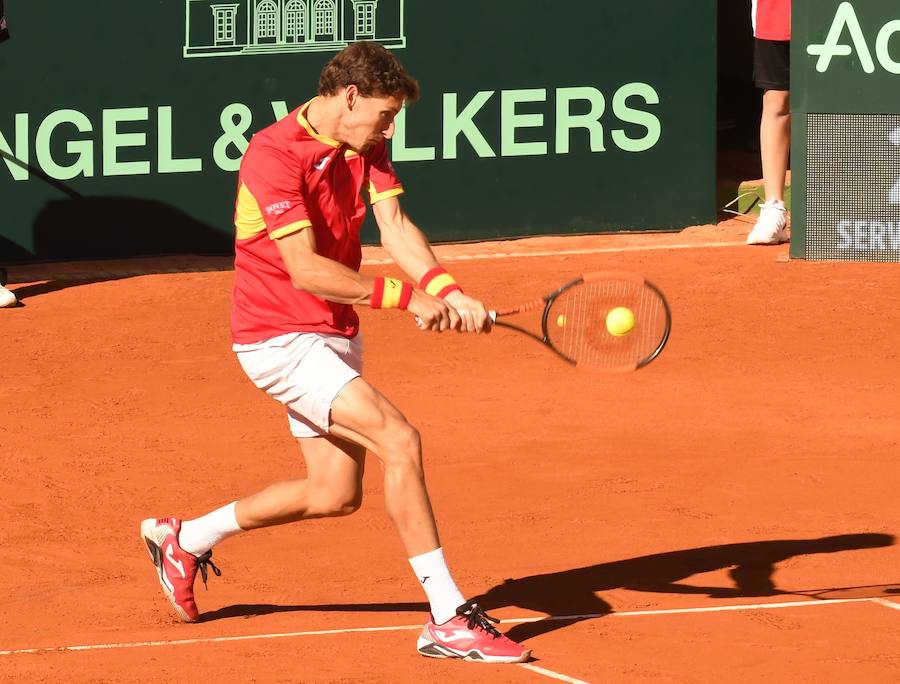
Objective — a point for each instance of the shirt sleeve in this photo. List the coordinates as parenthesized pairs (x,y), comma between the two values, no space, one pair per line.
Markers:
(383,181)
(270,194)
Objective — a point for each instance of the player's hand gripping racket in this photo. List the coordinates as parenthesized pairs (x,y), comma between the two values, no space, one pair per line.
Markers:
(609,320)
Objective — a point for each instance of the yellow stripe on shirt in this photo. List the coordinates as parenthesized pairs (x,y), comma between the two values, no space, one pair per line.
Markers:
(248,220)
(375,196)
(303,121)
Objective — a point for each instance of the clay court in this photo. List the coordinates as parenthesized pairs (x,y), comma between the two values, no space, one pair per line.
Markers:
(728,513)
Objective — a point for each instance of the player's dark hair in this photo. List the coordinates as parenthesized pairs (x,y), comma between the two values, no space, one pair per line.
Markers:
(375,71)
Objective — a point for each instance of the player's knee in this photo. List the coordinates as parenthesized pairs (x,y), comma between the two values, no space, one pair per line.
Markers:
(335,503)
(347,506)
(404,448)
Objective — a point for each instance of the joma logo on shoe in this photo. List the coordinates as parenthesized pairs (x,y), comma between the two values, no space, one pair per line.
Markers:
(179,566)
(455,635)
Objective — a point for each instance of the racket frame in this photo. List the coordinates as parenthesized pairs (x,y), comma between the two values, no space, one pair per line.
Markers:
(547,302)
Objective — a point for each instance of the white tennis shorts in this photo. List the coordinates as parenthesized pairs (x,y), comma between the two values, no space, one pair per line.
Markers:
(305,372)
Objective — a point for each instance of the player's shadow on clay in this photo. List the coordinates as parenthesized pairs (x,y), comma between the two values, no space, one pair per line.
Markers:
(573,592)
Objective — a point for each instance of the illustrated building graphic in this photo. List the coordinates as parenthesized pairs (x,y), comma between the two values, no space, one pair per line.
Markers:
(244,27)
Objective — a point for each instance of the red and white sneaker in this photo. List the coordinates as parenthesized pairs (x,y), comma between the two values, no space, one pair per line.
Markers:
(470,636)
(176,568)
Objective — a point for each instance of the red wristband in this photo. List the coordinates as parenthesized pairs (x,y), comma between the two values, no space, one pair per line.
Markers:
(390,293)
(438,283)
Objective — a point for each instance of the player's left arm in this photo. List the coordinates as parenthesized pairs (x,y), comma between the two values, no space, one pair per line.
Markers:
(410,249)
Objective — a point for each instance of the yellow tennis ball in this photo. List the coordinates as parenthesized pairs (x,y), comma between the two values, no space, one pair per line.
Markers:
(620,321)
(561,320)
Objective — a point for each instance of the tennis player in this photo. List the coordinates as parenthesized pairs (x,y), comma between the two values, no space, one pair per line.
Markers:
(298,214)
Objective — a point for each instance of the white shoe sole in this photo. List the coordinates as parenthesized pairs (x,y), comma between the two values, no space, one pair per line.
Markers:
(148,529)
(7,298)
(429,649)
(777,239)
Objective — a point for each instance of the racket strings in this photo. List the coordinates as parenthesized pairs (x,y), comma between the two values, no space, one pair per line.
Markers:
(577,327)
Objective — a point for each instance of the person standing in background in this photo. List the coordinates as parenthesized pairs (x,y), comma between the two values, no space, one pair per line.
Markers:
(772,74)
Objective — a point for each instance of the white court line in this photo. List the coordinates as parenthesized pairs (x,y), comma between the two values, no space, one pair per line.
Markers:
(886,603)
(111,271)
(706,609)
(563,252)
(210,640)
(553,675)
(399,628)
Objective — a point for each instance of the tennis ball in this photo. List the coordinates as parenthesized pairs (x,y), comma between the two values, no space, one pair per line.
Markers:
(561,320)
(620,321)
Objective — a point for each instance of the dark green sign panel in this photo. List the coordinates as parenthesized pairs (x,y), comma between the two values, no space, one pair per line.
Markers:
(845,56)
(845,91)
(122,135)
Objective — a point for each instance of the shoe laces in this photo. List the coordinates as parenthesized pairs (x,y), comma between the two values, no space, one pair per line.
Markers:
(203,560)
(476,618)
(774,205)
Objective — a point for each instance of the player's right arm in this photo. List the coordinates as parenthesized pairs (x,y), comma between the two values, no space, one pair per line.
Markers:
(331,280)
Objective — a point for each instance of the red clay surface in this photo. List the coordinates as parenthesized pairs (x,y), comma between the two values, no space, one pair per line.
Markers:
(754,463)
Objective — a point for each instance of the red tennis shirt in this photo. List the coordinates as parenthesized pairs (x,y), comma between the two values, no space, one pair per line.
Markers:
(772,19)
(291,179)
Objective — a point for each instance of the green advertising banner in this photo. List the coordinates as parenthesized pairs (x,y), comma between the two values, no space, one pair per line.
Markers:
(846,56)
(845,92)
(122,134)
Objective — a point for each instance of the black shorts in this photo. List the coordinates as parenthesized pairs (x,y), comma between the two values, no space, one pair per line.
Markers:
(772,64)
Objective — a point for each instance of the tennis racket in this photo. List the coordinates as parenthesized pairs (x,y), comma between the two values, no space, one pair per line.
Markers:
(574,321)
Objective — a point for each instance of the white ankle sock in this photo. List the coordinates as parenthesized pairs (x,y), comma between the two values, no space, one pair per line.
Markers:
(434,576)
(200,535)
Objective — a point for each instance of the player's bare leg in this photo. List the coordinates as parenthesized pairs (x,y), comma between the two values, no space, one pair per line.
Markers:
(180,549)
(361,414)
(456,628)
(333,487)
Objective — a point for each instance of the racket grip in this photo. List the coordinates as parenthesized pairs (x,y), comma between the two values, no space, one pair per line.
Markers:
(491,314)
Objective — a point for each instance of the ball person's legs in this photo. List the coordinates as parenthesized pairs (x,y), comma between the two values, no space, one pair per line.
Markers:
(775,141)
